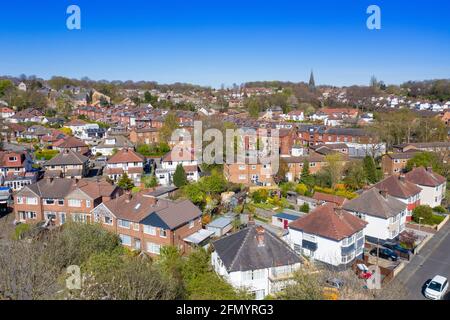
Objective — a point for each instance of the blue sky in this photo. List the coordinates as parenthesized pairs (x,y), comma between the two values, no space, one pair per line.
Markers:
(214,42)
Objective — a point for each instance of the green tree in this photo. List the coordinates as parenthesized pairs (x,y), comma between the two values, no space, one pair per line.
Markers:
(169,125)
(149,181)
(423,213)
(334,167)
(125,182)
(304,208)
(370,169)
(5,85)
(305,176)
(194,193)
(355,177)
(179,177)
(425,159)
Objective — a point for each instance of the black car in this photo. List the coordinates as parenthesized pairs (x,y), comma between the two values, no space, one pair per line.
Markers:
(396,248)
(384,253)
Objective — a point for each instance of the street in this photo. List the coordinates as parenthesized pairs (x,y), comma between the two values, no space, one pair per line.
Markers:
(433,259)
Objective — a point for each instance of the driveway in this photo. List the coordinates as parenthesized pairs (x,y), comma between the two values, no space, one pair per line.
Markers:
(433,259)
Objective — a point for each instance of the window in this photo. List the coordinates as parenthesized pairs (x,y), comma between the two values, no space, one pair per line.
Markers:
(32,201)
(153,247)
(123,223)
(150,230)
(253,167)
(60,202)
(136,226)
(19,200)
(107,220)
(79,217)
(74,203)
(49,201)
(88,203)
(191,224)
(62,217)
(242,177)
(241,167)
(126,240)
(162,233)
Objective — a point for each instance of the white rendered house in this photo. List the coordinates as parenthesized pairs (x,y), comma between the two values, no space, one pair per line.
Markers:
(256,260)
(328,234)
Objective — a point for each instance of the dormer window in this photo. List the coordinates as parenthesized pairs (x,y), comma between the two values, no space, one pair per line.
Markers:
(12,158)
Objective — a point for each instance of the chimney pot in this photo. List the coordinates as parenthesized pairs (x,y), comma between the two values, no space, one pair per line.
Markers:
(429,169)
(383,192)
(260,236)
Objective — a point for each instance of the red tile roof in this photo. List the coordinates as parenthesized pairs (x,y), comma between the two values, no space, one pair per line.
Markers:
(398,187)
(126,155)
(330,222)
(329,198)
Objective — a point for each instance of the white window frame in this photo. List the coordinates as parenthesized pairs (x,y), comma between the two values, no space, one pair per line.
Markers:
(150,230)
(74,203)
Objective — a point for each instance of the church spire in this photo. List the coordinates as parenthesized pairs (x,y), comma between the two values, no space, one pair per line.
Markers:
(312,83)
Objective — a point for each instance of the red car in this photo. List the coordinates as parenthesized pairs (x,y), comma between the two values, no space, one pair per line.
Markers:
(363,271)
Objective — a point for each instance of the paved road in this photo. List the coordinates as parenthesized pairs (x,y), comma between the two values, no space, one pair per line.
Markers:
(433,259)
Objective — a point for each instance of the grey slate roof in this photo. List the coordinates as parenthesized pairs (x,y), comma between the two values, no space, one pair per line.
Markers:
(240,251)
(371,202)
(55,189)
(67,157)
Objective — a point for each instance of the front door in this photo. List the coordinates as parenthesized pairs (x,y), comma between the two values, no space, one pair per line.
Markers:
(285,224)
(137,244)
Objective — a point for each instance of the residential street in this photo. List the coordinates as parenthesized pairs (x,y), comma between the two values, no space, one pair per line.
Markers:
(432,260)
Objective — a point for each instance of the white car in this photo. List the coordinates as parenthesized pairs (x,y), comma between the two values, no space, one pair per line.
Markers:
(437,288)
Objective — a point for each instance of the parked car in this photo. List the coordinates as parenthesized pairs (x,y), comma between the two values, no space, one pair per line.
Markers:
(363,272)
(396,248)
(384,253)
(436,288)
(335,283)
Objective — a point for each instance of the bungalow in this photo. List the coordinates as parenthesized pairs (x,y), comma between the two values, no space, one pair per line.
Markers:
(432,184)
(71,143)
(328,234)
(385,215)
(255,259)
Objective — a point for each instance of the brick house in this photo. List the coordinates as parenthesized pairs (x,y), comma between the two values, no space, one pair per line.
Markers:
(16,170)
(248,174)
(68,164)
(71,143)
(146,223)
(61,200)
(144,135)
(295,165)
(395,163)
(125,161)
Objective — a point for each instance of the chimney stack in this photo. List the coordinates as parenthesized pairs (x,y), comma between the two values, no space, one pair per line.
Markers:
(401,177)
(128,197)
(429,169)
(260,236)
(383,192)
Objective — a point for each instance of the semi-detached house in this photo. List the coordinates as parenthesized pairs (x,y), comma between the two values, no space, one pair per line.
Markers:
(146,223)
(328,234)
(384,214)
(432,184)
(61,200)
